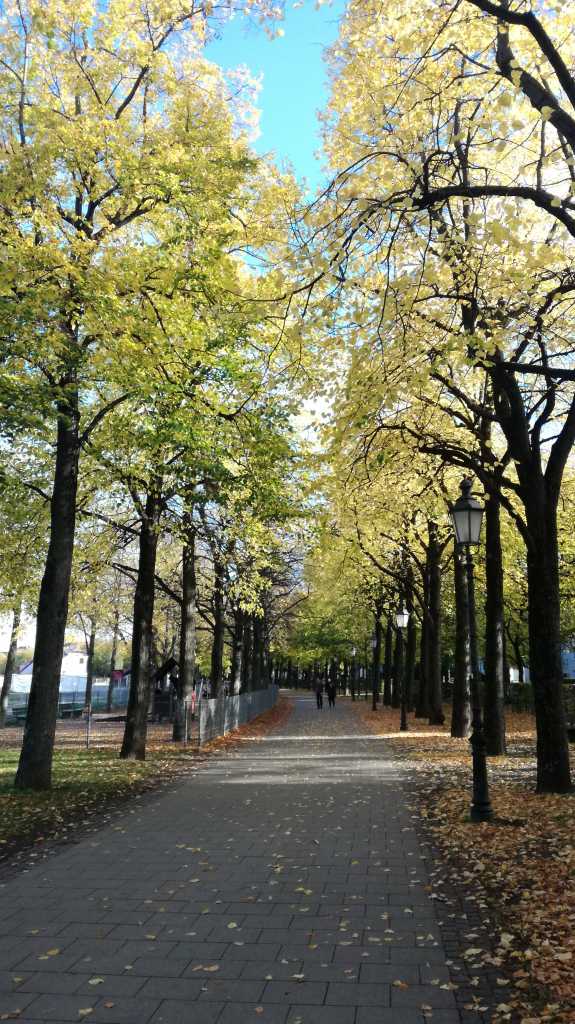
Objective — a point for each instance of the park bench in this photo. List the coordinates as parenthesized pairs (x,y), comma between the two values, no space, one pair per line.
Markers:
(70,709)
(66,709)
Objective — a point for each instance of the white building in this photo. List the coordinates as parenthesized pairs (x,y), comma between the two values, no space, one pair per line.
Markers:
(74,664)
(72,678)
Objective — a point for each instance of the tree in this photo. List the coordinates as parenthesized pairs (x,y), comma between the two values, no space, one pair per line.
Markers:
(454,124)
(10,662)
(110,120)
(23,524)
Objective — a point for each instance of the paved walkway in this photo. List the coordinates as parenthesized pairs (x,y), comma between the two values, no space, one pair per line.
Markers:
(282,884)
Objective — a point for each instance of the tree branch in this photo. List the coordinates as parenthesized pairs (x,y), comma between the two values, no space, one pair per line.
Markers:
(529,21)
(100,416)
(539,197)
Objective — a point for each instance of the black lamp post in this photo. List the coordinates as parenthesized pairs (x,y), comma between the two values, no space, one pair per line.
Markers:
(401,620)
(466,515)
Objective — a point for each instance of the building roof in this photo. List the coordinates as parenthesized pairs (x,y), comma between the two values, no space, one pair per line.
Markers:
(26,669)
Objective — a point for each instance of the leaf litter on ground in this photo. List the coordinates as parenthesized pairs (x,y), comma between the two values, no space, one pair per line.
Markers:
(520,868)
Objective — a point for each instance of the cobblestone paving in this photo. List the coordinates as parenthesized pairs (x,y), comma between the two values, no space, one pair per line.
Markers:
(283,883)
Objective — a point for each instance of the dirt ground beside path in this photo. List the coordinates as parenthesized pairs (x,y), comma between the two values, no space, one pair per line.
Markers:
(520,870)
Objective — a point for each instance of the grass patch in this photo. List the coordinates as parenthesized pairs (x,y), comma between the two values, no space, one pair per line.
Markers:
(85,783)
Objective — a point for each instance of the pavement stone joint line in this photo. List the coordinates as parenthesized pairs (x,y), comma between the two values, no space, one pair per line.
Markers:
(283,883)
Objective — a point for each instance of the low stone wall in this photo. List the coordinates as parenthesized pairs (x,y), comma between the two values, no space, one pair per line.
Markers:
(220,716)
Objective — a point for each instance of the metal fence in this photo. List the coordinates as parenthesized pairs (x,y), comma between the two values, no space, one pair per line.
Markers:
(220,716)
(70,700)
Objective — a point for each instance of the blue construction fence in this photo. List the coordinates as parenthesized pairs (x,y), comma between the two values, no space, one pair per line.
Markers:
(70,700)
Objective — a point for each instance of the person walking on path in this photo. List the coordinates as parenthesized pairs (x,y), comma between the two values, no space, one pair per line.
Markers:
(319,694)
(330,690)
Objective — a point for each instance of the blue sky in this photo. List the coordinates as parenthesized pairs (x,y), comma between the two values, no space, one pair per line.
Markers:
(294,80)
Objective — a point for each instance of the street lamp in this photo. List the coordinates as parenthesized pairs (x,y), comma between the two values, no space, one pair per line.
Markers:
(466,514)
(401,620)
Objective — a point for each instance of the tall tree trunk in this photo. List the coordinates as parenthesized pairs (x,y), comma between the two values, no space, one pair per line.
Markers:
(262,660)
(397,668)
(217,658)
(461,706)
(35,764)
(376,659)
(257,657)
(422,702)
(546,673)
(267,659)
(388,664)
(113,657)
(187,660)
(237,651)
(436,716)
(506,674)
(90,664)
(247,659)
(494,692)
(540,490)
(518,654)
(410,646)
(134,741)
(10,661)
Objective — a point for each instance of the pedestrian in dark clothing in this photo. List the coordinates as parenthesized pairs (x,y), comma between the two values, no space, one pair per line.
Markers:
(319,694)
(330,690)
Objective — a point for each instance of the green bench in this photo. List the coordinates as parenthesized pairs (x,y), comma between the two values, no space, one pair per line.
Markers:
(70,709)
(66,709)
